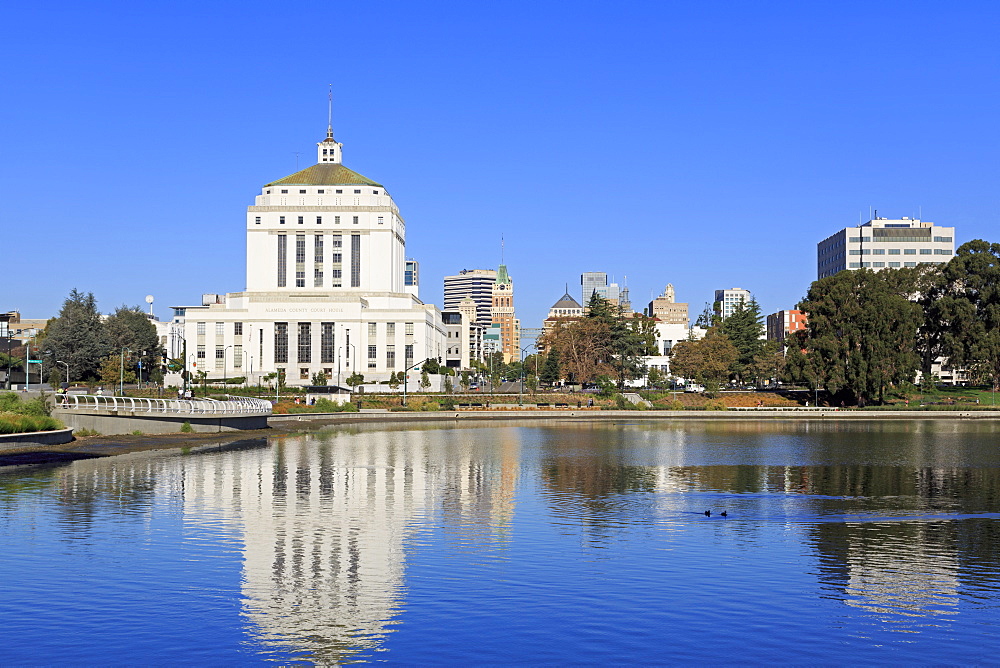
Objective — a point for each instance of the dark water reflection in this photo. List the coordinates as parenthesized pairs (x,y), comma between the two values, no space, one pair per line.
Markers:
(528,543)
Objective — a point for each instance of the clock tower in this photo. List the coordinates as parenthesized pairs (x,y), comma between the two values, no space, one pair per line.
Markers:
(502,315)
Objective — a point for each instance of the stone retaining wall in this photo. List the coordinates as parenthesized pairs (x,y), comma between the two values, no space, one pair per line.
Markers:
(57,437)
(110,422)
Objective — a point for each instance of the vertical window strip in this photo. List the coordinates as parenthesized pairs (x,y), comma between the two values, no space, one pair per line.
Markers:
(326,343)
(282,260)
(281,343)
(305,342)
(355,260)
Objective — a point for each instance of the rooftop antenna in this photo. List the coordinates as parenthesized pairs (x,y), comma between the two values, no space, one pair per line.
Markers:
(501,249)
(329,113)
(296,161)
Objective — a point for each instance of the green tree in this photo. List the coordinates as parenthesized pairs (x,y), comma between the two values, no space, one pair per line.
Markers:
(465,380)
(355,379)
(319,378)
(425,380)
(768,364)
(654,377)
(10,361)
(78,337)
(431,365)
(966,315)
(549,372)
(394,380)
(862,331)
(744,328)
(708,361)
(708,317)
(531,382)
(449,387)
(112,370)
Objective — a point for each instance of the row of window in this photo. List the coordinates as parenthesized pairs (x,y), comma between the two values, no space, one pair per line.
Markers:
(881,265)
(905,251)
(321,191)
(319,220)
(220,328)
(390,329)
(220,356)
(897,238)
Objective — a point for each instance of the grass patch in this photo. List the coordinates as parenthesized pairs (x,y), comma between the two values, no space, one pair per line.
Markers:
(83,433)
(12,423)
(186,428)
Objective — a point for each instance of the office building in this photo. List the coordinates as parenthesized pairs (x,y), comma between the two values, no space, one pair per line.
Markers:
(474,283)
(727,301)
(592,282)
(783,324)
(463,336)
(884,243)
(665,309)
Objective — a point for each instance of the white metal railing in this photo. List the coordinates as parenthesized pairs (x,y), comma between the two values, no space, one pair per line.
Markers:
(783,408)
(233,406)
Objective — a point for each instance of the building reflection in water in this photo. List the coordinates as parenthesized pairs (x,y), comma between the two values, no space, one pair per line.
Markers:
(326,519)
(899,524)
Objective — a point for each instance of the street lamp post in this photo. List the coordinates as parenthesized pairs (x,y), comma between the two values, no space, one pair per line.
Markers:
(67,371)
(121,371)
(405,371)
(225,377)
(520,393)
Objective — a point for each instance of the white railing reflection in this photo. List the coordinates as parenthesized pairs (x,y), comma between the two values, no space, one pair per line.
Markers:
(233,406)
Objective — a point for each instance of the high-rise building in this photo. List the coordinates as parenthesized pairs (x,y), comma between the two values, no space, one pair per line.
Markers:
(411,274)
(502,315)
(597,282)
(592,282)
(474,283)
(884,243)
(464,336)
(726,301)
(326,289)
(783,324)
(665,309)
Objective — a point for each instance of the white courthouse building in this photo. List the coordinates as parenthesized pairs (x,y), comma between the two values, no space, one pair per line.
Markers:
(325,286)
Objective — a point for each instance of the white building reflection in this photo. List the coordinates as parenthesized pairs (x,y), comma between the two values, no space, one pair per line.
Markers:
(326,521)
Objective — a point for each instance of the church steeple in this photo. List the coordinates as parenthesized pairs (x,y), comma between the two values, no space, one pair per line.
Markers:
(329,150)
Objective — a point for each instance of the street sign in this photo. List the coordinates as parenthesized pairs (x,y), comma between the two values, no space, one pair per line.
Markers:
(34,361)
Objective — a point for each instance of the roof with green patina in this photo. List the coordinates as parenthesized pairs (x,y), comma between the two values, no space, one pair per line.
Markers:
(502,275)
(325,175)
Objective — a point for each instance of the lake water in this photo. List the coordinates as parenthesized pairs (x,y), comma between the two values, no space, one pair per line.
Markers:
(532,542)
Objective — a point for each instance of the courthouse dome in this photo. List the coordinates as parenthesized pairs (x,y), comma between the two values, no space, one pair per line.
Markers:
(328,174)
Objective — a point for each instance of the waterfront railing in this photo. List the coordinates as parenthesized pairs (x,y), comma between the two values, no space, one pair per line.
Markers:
(232,406)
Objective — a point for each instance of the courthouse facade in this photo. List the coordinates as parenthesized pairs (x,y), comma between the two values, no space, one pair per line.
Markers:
(325,286)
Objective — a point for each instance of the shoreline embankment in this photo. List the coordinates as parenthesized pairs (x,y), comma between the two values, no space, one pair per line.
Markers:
(109,446)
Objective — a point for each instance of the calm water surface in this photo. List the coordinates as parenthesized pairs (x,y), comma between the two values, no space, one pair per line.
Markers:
(532,542)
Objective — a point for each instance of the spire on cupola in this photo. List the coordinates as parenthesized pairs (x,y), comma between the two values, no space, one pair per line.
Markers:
(329,150)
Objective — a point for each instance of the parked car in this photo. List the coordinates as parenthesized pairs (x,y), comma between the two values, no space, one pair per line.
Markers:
(692,387)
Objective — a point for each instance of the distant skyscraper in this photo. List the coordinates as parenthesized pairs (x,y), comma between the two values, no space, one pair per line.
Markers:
(502,314)
(726,301)
(882,243)
(597,281)
(591,282)
(474,283)
(665,309)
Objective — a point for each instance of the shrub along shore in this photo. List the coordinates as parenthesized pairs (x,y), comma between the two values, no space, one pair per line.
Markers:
(22,417)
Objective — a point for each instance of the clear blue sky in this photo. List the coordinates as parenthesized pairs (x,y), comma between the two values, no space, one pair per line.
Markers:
(709,145)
